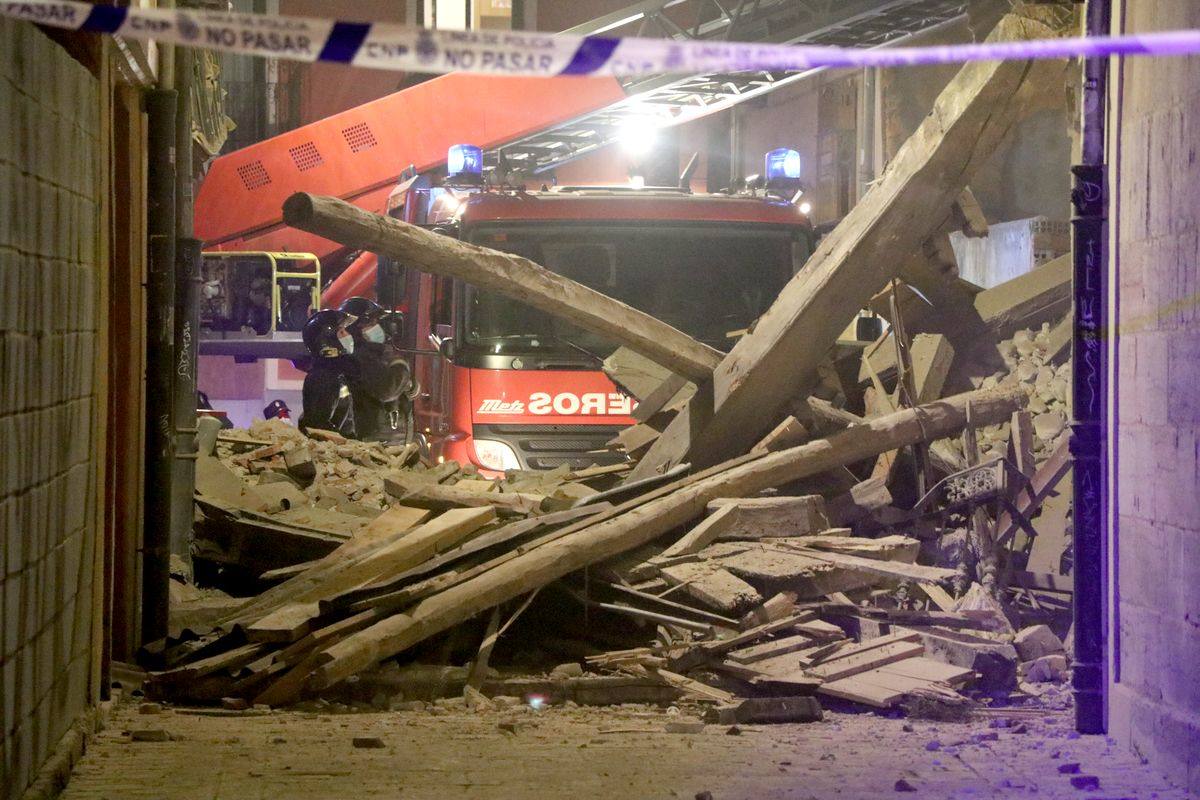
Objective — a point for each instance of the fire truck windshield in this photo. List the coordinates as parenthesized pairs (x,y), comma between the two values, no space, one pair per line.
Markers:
(711,281)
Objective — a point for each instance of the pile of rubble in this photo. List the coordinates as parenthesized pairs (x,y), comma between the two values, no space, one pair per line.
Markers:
(781,529)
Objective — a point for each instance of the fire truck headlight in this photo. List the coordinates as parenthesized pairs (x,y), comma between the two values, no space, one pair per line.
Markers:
(496,455)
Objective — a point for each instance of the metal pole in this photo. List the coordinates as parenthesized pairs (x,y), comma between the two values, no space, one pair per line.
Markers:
(186,299)
(160,336)
(1090,389)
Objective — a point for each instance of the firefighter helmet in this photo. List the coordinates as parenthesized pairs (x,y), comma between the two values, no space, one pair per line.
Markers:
(366,310)
(367,313)
(325,333)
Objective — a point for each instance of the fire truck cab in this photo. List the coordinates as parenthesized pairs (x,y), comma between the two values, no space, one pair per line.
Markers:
(505,386)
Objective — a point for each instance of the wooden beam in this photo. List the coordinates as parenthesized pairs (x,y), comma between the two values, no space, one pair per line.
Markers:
(932,354)
(773,517)
(516,277)
(788,433)
(703,534)
(1040,295)
(642,523)
(777,362)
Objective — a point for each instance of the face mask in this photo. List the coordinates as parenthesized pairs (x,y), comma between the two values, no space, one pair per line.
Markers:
(374,334)
(347,342)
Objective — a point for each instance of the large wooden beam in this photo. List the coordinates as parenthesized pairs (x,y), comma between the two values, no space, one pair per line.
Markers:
(777,362)
(516,277)
(539,565)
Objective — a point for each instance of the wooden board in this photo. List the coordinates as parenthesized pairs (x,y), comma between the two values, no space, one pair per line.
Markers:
(789,433)
(1040,295)
(758,652)
(703,534)
(713,586)
(862,691)
(895,570)
(860,661)
(1053,530)
(926,669)
(418,493)
(771,517)
(863,500)
(932,355)
(286,624)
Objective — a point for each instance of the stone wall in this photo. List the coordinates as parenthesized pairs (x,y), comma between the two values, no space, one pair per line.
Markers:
(1155,697)
(49,212)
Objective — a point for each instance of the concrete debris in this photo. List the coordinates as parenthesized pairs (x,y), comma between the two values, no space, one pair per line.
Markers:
(1036,641)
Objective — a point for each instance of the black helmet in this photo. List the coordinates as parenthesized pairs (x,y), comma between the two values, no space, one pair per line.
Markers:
(393,326)
(367,311)
(323,333)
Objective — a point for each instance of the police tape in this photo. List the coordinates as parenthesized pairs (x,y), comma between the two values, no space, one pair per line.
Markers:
(397,47)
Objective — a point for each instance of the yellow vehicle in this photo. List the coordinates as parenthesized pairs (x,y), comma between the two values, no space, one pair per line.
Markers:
(253,304)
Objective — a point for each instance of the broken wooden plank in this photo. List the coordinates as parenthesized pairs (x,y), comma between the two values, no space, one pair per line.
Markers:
(1020,445)
(925,669)
(932,354)
(1041,295)
(852,663)
(777,607)
(1053,530)
(776,362)
(510,533)
(766,711)
(759,652)
(286,624)
(436,496)
(505,273)
(788,433)
(713,586)
(895,570)
(859,691)
(693,687)
(772,517)
(860,503)
(703,534)
(1058,348)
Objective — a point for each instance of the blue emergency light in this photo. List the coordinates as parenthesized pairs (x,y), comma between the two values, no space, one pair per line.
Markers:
(782,164)
(464,160)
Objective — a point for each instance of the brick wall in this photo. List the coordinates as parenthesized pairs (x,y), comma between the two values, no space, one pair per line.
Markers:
(1155,700)
(49,153)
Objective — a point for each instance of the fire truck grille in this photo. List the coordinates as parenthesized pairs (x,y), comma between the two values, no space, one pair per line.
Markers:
(550,446)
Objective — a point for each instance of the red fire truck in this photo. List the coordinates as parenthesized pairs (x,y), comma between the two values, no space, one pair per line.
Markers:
(503,385)
(507,386)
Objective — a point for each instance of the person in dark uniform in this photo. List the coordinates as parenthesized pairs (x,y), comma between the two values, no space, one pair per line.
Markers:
(383,387)
(327,404)
(256,313)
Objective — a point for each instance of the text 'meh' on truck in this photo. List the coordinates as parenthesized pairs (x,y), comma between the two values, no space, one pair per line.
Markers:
(506,386)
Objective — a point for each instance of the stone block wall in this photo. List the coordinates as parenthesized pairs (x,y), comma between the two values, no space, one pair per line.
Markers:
(1155,694)
(50,158)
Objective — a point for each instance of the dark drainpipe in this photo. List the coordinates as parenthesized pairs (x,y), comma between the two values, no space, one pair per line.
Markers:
(1089,444)
(160,337)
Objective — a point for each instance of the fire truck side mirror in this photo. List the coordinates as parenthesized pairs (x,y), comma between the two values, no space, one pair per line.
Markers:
(443,339)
